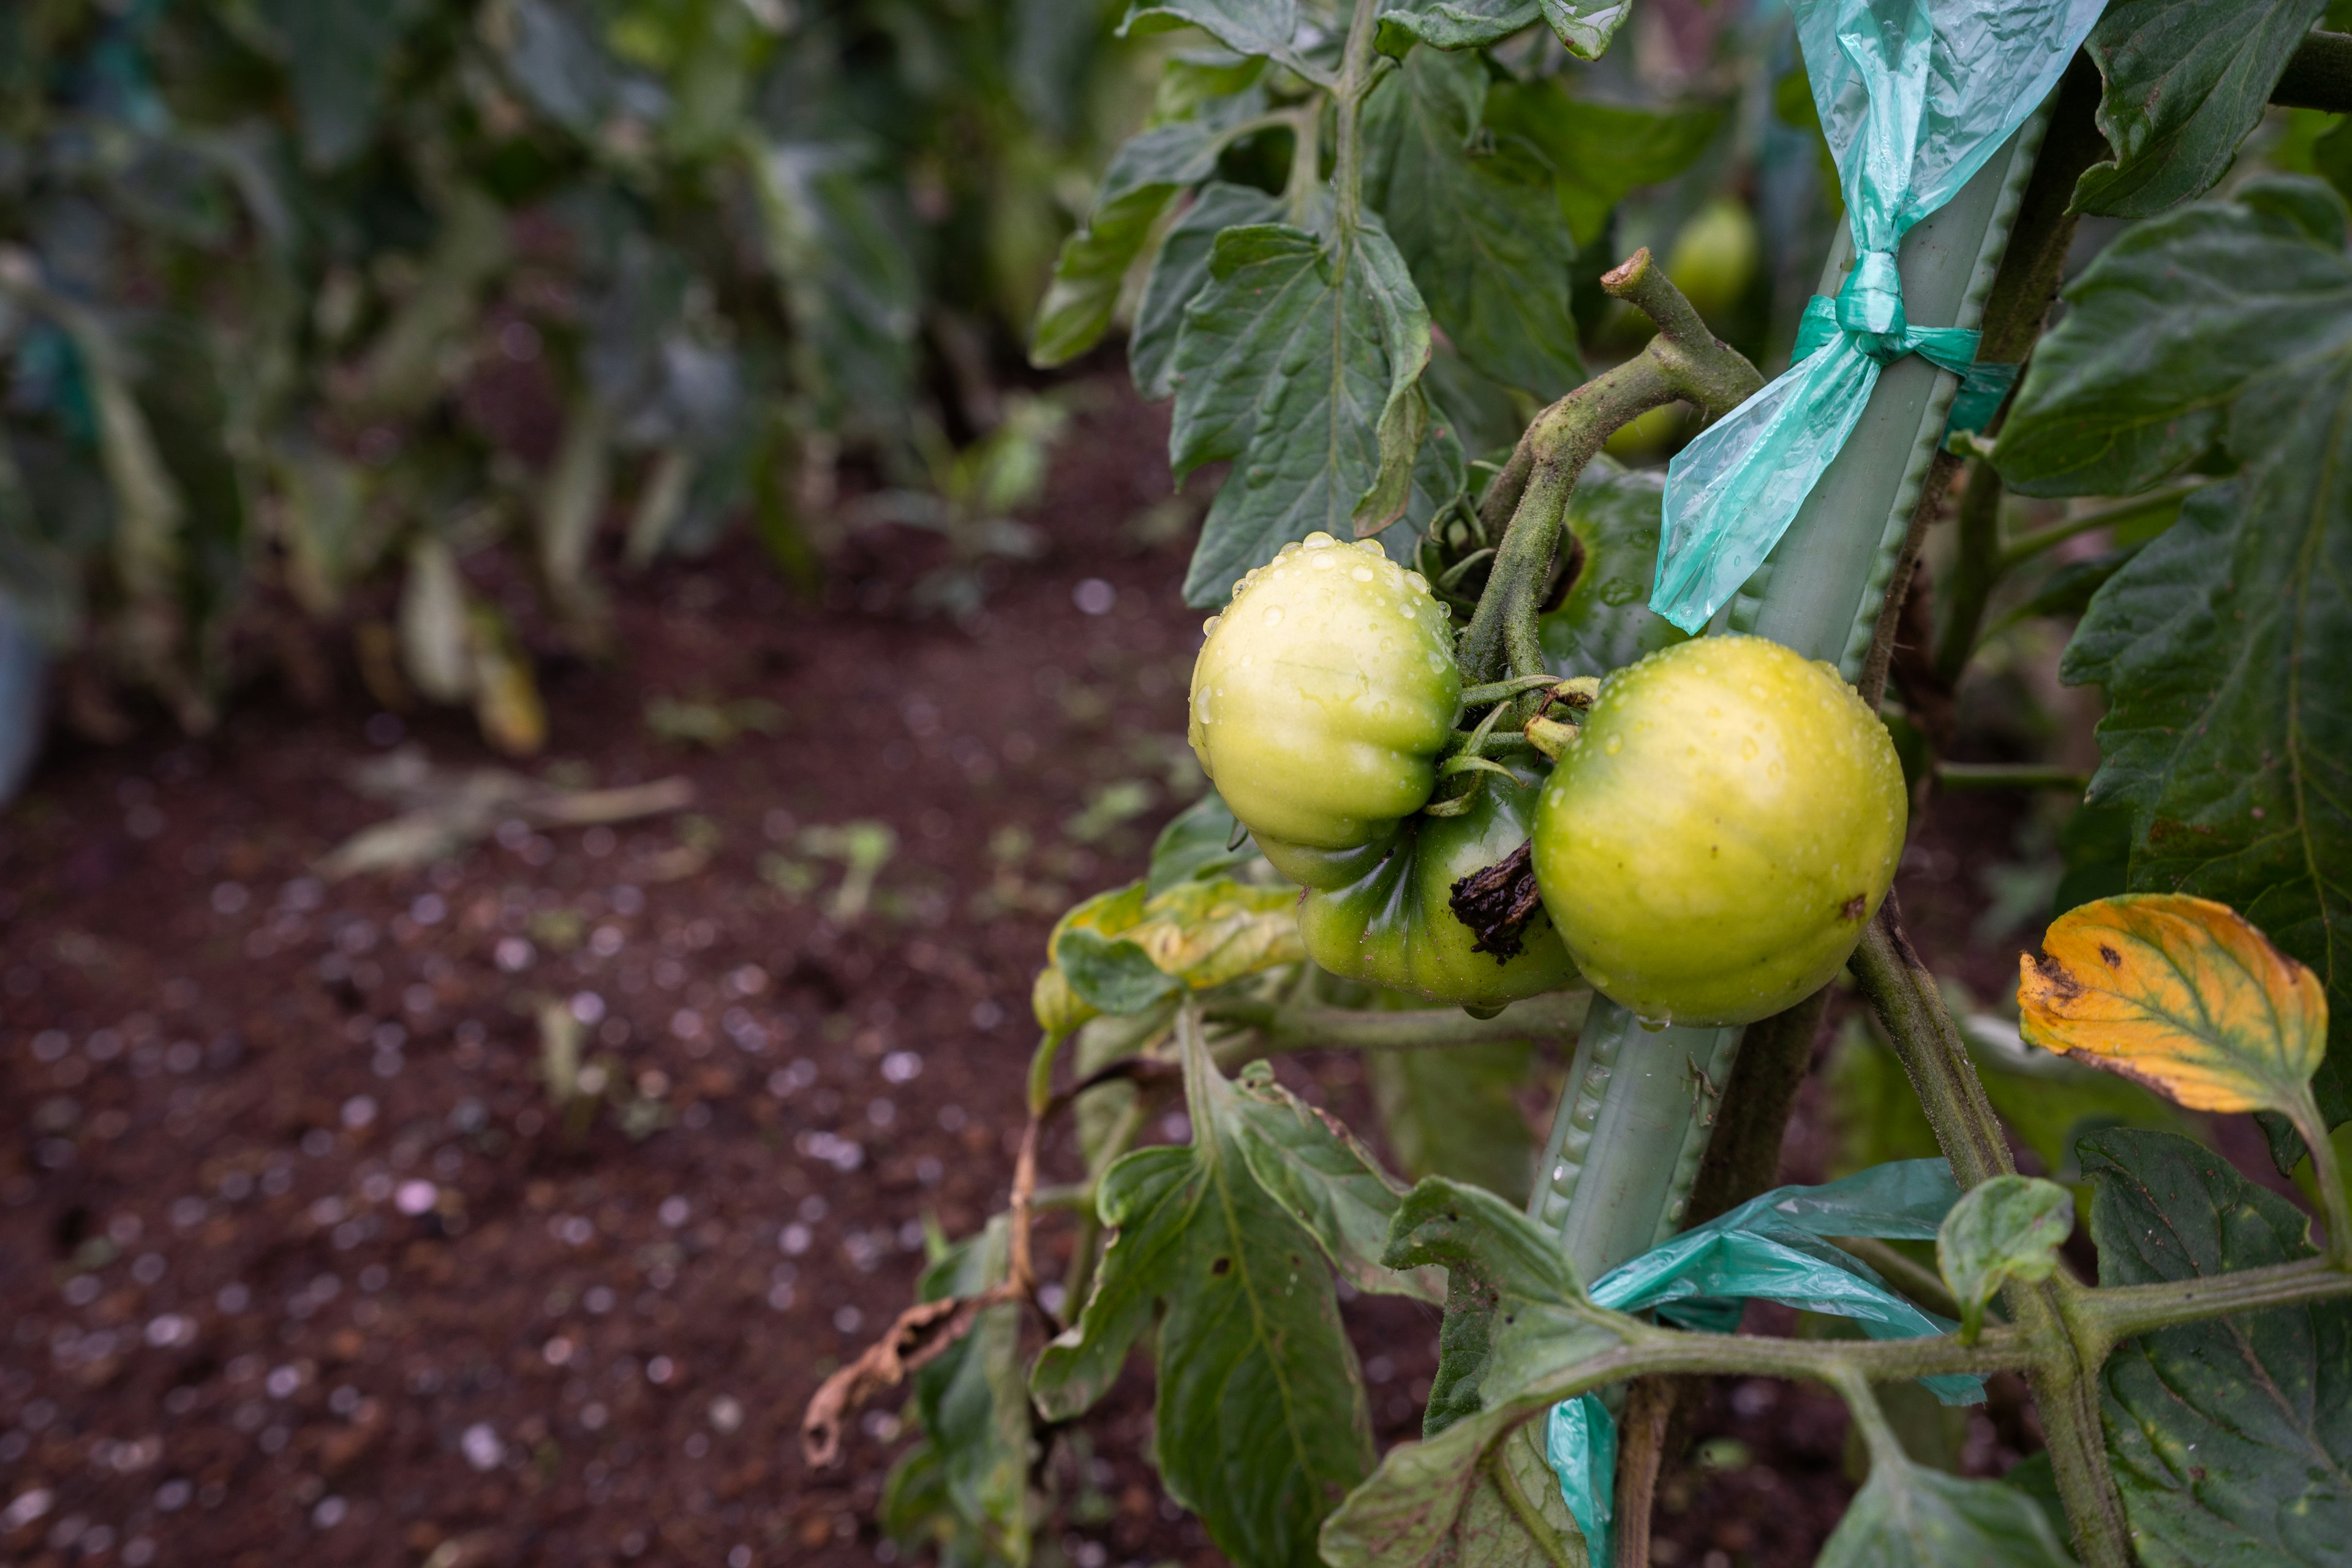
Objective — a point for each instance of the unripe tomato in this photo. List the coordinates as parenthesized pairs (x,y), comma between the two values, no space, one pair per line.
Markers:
(1728,818)
(1396,926)
(1714,258)
(1320,703)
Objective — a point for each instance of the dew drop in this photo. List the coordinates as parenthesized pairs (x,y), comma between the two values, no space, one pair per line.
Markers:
(1436,659)
(1210,625)
(1652,1025)
(1319,539)
(1420,584)
(1361,574)
(1614,744)
(1273,614)
(1322,563)
(1600,981)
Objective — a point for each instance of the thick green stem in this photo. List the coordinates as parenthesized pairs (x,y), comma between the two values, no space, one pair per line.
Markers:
(2066,1387)
(1358,69)
(2318,74)
(2104,1319)
(1685,361)
(2016,552)
(2008,775)
(1274,1028)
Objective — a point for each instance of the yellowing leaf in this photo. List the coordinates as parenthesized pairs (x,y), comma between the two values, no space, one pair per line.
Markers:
(1204,933)
(2181,994)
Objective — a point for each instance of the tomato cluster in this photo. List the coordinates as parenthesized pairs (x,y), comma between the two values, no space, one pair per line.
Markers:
(1708,848)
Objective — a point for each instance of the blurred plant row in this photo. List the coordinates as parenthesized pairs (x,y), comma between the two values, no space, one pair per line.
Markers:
(304,303)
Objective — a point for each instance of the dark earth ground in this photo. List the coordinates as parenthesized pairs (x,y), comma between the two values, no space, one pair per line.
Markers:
(297,1251)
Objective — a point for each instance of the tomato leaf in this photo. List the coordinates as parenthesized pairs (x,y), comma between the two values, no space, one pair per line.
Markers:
(1193,845)
(1267,28)
(1443,1501)
(1908,1516)
(2232,1439)
(1145,173)
(1474,217)
(974,1402)
(1261,1418)
(1314,1167)
(1298,361)
(2009,1227)
(1455,1113)
(1125,951)
(1112,975)
(1583,25)
(1599,151)
(1606,623)
(2181,994)
(2186,81)
(1179,272)
(2228,322)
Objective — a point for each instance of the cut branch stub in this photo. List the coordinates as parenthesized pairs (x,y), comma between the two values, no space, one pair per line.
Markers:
(1497,902)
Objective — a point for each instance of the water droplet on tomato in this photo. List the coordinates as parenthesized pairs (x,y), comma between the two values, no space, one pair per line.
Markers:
(1614,744)
(1322,563)
(1319,539)
(1274,615)
(1361,574)
(1652,1025)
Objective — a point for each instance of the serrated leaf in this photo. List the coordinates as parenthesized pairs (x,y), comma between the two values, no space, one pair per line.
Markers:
(1606,621)
(973,1401)
(2004,1228)
(1311,1165)
(1599,151)
(1193,845)
(339,53)
(1474,217)
(2232,1439)
(1584,26)
(1179,272)
(1261,1420)
(1145,173)
(1908,1516)
(1440,1503)
(1455,1113)
(1297,362)
(2181,994)
(2186,80)
(2228,322)
(1267,28)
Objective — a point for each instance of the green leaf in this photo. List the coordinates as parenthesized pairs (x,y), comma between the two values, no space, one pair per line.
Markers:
(2228,322)
(1474,217)
(1599,151)
(1455,1113)
(2232,1439)
(556,60)
(1145,174)
(340,52)
(2186,80)
(1111,975)
(844,261)
(1906,1516)
(1261,1419)
(974,1402)
(1605,623)
(1503,1271)
(1584,26)
(2009,1227)
(1192,846)
(1179,272)
(1297,362)
(1269,28)
(1313,1166)
(1462,1500)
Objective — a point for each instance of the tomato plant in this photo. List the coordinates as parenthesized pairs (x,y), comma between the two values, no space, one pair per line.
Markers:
(1367,252)
(1726,820)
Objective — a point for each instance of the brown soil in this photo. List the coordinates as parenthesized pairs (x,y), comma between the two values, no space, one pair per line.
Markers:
(296,1251)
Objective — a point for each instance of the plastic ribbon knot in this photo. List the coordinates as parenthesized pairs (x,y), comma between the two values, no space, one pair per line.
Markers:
(1771,1248)
(1914,96)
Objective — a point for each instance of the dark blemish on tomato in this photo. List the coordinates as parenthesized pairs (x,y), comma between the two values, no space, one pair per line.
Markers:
(1852,908)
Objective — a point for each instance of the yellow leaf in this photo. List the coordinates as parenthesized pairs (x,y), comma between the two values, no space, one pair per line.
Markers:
(1058,1009)
(2181,994)
(1205,932)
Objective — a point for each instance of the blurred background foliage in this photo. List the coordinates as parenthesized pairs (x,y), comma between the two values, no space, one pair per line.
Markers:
(305,302)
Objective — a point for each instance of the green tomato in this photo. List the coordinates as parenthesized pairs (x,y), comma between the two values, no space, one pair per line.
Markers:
(1714,258)
(1321,702)
(1396,927)
(1728,818)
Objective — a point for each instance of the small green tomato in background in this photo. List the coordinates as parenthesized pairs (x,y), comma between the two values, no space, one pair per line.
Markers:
(1321,702)
(1713,259)
(1396,926)
(1728,818)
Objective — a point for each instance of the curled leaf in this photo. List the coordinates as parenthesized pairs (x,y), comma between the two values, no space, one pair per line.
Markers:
(2181,994)
(2009,1227)
(1121,952)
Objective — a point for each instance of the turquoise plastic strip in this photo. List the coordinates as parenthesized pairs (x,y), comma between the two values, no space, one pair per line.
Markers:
(1914,96)
(1770,1248)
